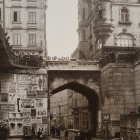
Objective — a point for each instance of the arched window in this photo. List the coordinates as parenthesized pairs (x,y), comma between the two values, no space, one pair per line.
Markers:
(124,15)
(99,43)
(124,40)
(100,11)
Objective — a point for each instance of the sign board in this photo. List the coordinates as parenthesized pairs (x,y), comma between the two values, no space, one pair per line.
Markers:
(7,107)
(27,103)
(31,93)
(41,94)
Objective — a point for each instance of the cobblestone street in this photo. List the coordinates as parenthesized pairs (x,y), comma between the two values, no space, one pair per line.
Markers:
(49,138)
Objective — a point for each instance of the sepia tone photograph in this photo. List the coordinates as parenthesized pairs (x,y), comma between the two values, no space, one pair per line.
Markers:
(69,70)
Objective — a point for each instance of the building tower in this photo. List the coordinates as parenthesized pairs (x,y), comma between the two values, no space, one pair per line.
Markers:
(109,31)
(106,23)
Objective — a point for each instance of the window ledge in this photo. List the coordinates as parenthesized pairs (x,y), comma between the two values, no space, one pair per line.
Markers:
(32,23)
(16,45)
(31,0)
(18,22)
(125,23)
(32,46)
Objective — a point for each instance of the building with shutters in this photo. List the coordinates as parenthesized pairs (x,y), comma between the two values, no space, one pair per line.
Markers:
(25,23)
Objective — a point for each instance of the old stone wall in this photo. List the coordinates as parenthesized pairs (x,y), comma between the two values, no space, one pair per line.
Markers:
(118,91)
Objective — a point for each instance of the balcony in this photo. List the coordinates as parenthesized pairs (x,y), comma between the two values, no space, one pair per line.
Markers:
(119,54)
(31,25)
(25,59)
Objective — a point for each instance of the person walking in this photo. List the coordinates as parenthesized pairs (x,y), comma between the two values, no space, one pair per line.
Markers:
(40,135)
(33,133)
(58,132)
(66,135)
(53,131)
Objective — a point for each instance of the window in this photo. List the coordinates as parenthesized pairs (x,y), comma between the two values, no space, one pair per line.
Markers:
(124,40)
(84,35)
(16,16)
(32,17)
(32,39)
(83,14)
(99,43)
(100,11)
(17,39)
(124,15)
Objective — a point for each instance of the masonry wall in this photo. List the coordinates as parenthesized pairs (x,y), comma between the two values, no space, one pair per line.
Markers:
(23,102)
(118,89)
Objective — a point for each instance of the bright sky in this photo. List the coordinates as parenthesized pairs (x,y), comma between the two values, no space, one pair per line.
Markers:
(62,24)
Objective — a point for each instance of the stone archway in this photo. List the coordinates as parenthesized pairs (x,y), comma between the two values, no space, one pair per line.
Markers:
(92,97)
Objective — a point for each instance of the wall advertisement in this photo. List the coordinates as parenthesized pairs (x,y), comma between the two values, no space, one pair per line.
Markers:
(7,107)
(26,96)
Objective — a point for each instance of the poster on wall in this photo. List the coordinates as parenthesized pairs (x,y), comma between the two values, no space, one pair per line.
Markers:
(39,103)
(12,97)
(35,81)
(27,103)
(33,113)
(44,119)
(41,94)
(4,97)
(3,115)
(27,122)
(41,112)
(38,120)
(7,107)
(26,113)
(5,87)
(31,92)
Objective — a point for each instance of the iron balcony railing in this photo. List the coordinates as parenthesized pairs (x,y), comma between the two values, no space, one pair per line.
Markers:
(21,58)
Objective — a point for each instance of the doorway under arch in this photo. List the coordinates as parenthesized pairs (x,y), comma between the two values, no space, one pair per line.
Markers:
(92,97)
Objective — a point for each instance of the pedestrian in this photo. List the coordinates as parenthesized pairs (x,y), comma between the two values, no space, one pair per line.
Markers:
(66,135)
(78,137)
(58,132)
(53,131)
(40,135)
(3,133)
(33,133)
(89,134)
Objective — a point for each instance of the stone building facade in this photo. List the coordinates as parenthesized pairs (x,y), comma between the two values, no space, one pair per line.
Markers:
(109,32)
(106,23)
(25,23)
(23,96)
(70,110)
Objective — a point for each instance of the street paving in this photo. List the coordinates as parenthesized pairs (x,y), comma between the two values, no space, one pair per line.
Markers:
(49,138)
